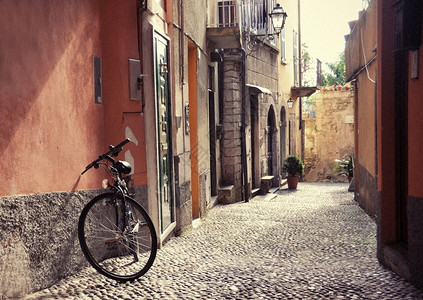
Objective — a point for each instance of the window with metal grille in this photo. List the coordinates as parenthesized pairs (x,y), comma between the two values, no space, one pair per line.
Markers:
(227,13)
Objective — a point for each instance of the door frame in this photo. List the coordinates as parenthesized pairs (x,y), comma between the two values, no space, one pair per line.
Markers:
(283,125)
(255,141)
(164,232)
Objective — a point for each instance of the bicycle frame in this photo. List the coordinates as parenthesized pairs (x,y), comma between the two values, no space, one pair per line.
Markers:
(115,222)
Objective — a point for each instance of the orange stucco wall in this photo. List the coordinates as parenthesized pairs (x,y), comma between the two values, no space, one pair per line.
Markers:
(50,126)
(366,142)
(361,51)
(193,121)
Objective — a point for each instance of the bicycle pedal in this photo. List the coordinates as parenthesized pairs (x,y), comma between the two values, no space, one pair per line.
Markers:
(135,229)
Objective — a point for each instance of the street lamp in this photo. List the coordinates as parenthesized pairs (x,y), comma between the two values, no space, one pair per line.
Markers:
(278,17)
(290,103)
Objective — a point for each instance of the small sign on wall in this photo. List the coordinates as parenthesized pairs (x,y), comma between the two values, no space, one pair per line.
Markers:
(349,119)
(135,79)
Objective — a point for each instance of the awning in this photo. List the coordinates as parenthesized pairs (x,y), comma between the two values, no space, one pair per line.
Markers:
(303,91)
(255,89)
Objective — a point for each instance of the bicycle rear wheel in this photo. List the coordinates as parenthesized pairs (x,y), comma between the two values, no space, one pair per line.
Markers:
(117,237)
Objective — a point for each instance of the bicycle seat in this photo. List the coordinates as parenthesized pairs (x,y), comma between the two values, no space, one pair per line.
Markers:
(123,167)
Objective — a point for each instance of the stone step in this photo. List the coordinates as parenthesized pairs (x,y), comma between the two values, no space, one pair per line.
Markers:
(255,192)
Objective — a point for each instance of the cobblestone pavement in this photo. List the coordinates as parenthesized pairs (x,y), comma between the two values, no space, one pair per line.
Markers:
(313,243)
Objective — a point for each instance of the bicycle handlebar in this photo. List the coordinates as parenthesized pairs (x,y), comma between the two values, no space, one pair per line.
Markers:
(113,151)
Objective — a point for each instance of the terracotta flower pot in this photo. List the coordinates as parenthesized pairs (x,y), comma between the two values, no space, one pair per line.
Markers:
(292,182)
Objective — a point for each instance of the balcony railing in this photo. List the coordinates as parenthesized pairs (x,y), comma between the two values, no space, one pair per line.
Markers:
(254,16)
(249,15)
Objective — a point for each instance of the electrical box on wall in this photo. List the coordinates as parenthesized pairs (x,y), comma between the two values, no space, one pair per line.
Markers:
(135,79)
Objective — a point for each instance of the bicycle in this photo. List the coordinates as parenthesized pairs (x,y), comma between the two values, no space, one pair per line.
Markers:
(116,234)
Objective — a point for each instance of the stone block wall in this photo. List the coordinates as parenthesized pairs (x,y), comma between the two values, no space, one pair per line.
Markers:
(329,136)
(39,239)
(231,130)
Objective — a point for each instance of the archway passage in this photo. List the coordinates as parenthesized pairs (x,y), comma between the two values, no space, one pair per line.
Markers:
(272,159)
(255,142)
(283,137)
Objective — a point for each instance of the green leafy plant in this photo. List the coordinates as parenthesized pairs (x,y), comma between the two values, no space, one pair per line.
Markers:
(336,75)
(293,165)
(345,165)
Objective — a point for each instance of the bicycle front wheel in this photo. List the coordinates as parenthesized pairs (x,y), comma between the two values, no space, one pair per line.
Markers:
(117,237)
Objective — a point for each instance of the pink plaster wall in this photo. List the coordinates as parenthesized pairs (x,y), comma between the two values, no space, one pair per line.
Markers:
(50,126)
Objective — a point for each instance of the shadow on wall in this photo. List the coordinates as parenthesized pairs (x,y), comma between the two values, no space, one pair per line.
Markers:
(46,62)
(316,170)
(35,37)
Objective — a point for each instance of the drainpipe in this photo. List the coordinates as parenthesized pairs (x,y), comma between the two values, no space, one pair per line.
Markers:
(221,86)
(300,73)
(181,43)
(300,80)
(140,9)
(246,193)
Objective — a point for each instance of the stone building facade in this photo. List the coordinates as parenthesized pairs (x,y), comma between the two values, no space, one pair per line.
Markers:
(257,77)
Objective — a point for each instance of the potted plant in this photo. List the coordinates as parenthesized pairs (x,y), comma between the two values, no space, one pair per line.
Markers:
(345,166)
(294,167)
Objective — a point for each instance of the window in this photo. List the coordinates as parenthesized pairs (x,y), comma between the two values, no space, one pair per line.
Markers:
(227,13)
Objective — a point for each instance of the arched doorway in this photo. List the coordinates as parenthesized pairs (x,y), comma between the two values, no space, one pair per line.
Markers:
(255,142)
(283,137)
(272,159)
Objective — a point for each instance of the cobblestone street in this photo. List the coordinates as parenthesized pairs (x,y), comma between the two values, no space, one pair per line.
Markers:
(313,243)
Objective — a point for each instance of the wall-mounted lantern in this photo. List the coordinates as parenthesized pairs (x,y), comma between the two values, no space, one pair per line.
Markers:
(278,16)
(290,103)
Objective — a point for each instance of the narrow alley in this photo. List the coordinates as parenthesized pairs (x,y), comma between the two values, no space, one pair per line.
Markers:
(313,243)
